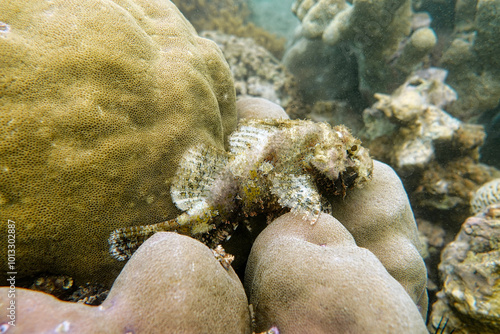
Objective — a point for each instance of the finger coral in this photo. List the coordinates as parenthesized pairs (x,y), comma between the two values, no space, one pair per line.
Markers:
(364,45)
(272,165)
(306,278)
(470,57)
(99,101)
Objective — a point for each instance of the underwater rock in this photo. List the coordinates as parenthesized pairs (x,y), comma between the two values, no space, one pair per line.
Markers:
(256,72)
(100,99)
(448,186)
(367,46)
(305,278)
(173,284)
(469,266)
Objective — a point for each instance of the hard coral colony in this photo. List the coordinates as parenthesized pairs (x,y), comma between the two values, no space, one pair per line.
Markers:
(272,166)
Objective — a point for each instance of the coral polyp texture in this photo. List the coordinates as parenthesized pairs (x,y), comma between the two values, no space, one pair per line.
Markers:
(470,295)
(365,45)
(488,194)
(272,166)
(99,101)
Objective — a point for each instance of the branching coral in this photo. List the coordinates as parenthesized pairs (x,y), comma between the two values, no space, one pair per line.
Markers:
(272,165)
(375,38)
(174,284)
(472,57)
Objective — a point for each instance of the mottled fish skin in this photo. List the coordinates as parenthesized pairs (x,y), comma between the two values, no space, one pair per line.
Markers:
(272,165)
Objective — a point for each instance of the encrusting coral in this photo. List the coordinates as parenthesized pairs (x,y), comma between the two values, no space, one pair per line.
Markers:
(173,284)
(305,278)
(99,101)
(273,164)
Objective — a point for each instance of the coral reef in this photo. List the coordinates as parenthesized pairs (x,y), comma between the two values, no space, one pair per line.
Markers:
(208,15)
(173,284)
(433,239)
(100,99)
(274,16)
(448,186)
(229,17)
(412,116)
(57,286)
(488,194)
(367,46)
(471,57)
(273,164)
(63,288)
(89,294)
(489,151)
(256,72)
(258,108)
(437,153)
(380,219)
(305,278)
(335,112)
(469,268)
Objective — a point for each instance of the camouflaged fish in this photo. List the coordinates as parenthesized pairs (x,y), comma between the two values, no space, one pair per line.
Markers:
(272,166)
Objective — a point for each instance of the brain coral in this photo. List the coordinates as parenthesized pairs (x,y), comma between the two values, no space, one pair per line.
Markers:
(99,99)
(485,196)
